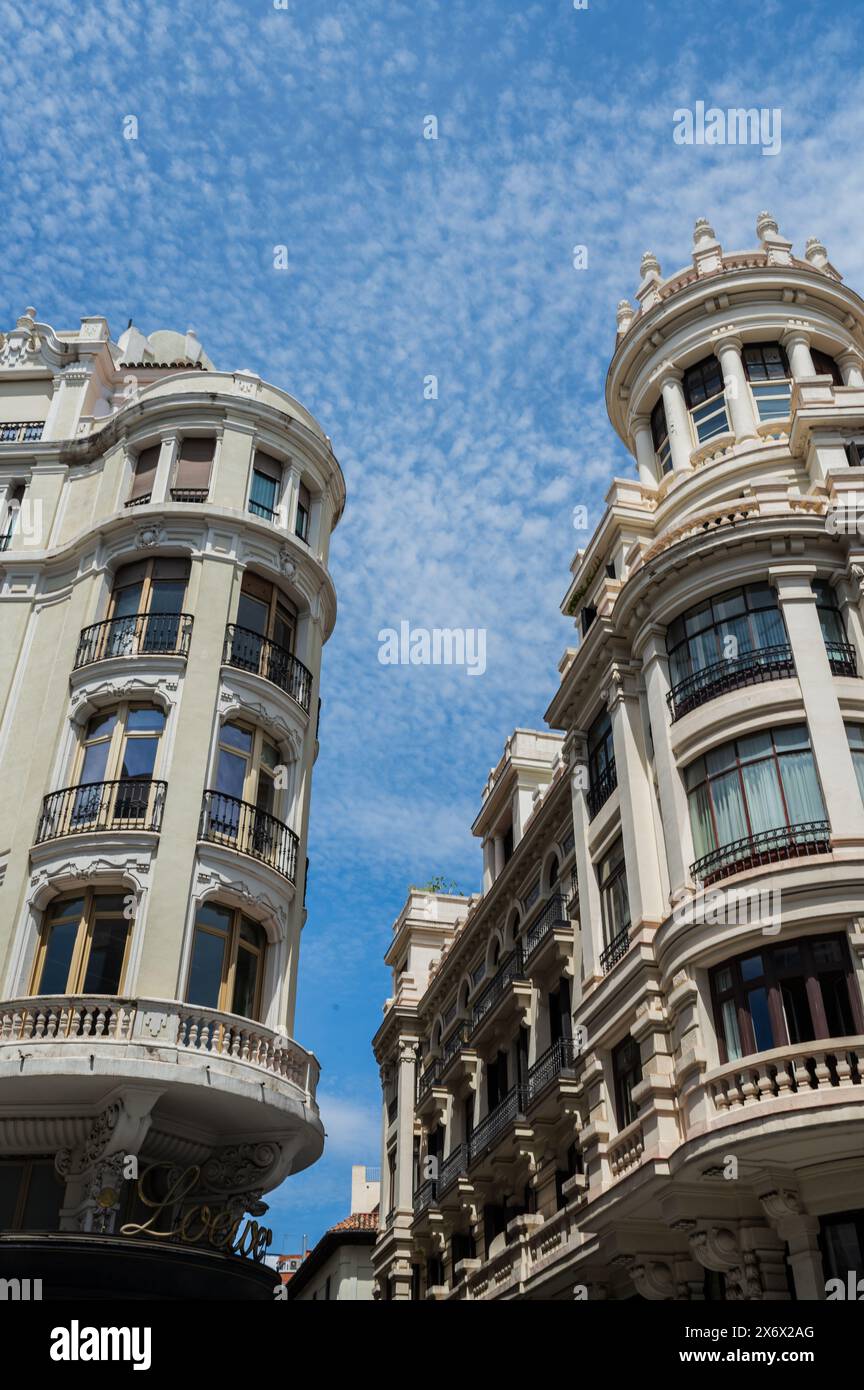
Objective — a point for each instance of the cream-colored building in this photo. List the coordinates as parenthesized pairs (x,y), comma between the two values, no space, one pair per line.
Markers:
(632,1065)
(164,602)
(339,1268)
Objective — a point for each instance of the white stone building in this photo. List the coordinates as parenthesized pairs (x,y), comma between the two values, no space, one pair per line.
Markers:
(633,1065)
(164,601)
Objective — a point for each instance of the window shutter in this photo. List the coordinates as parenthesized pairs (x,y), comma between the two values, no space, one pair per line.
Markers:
(194,462)
(266,464)
(145,472)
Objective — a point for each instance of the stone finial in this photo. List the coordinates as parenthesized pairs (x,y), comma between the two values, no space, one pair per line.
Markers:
(649,266)
(624,315)
(707,251)
(776,247)
(815,253)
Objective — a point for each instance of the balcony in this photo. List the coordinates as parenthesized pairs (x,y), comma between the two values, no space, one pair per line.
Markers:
(454,1166)
(238,825)
(424,1197)
(259,509)
(22,432)
(139,501)
(99,806)
(507,995)
(749,1084)
(139,634)
(548,942)
(751,668)
(557,1060)
(249,651)
(602,788)
(616,950)
(768,847)
(190,494)
(499,1124)
(841,658)
(427,1079)
(6,539)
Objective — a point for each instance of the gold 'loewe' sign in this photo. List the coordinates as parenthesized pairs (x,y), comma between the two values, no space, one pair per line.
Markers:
(220,1227)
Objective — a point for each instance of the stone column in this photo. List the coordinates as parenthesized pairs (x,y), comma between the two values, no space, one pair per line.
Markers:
(827,731)
(488,864)
(797,345)
(850,365)
(674,809)
(643,443)
(739,402)
(589,893)
(637,816)
(677,419)
(405,1124)
(290,496)
(164,468)
(498,843)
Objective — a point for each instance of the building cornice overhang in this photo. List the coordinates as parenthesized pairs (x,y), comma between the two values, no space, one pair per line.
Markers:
(400,1020)
(798,286)
(422,933)
(505,779)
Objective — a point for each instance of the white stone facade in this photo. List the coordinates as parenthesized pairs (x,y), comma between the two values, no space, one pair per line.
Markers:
(164,535)
(633,1064)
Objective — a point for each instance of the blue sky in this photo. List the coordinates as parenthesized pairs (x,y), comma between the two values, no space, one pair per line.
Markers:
(408,257)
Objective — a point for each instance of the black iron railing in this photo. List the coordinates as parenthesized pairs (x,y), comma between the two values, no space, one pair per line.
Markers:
(392,1109)
(138,501)
(225,820)
(453,1046)
(573,896)
(258,509)
(249,651)
(190,494)
(497,1122)
(428,1078)
(21,432)
(126,804)
(616,949)
(6,539)
(453,1166)
(749,668)
(510,970)
(559,1057)
(841,657)
(553,915)
(784,842)
(138,634)
(424,1196)
(600,790)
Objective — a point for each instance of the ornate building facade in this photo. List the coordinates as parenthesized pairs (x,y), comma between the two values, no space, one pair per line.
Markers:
(631,1065)
(164,601)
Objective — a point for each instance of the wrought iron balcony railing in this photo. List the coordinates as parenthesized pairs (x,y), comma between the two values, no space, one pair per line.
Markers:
(424,1196)
(6,539)
(841,657)
(511,969)
(190,494)
(749,668)
(238,825)
(497,1122)
(249,651)
(616,949)
(769,846)
(559,1057)
(138,634)
(453,1046)
(554,914)
(125,804)
(428,1078)
(138,501)
(600,790)
(22,432)
(454,1164)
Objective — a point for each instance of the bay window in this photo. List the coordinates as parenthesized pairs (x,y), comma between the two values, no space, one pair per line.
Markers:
(790,992)
(734,639)
(706,400)
(145,613)
(753,799)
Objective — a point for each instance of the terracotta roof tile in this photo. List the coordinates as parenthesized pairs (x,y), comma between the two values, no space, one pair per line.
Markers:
(358,1221)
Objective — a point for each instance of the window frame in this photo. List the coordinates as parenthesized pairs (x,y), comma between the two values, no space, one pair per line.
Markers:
(623,1082)
(230,955)
(303,517)
(675,645)
(615,880)
(116,741)
(81,950)
(696,379)
(660,436)
(256,767)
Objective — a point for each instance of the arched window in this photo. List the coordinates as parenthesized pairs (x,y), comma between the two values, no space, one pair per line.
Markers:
(83,945)
(553,872)
(227,967)
(112,783)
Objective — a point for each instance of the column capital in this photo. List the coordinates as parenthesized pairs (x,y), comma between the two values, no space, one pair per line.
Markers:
(794,336)
(728,338)
(668,375)
(793,582)
(652,644)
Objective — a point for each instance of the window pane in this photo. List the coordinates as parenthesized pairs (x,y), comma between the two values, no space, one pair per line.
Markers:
(127,601)
(45,1196)
(252,614)
(730,1030)
(205,975)
(796,1011)
(761,1019)
(95,762)
(105,962)
(719,759)
(264,491)
(800,784)
(768,628)
(764,802)
(145,720)
(752,968)
(11,1175)
(139,757)
(58,958)
(728,808)
(838,1009)
(245,983)
(214,915)
(231,774)
(167,596)
(100,726)
(700,821)
(756,746)
(235,737)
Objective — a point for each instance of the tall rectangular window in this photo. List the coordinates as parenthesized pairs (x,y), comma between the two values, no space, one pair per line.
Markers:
(767,370)
(266,486)
(304,508)
(143,475)
(192,473)
(706,401)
